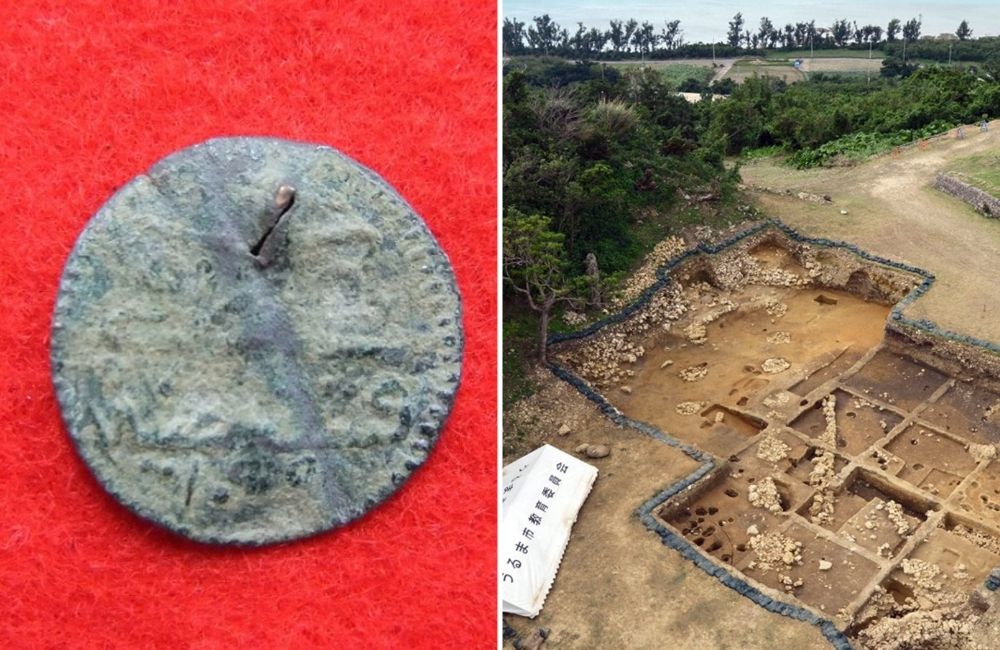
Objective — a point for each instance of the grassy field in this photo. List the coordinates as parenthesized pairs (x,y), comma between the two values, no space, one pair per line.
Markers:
(746,68)
(672,71)
(982,171)
(823,54)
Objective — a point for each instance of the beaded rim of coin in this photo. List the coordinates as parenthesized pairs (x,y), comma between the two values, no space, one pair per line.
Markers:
(255,341)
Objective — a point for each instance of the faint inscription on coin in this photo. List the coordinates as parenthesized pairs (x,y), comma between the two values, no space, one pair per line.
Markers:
(255,341)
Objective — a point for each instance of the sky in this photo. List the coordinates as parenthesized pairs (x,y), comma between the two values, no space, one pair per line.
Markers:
(708,20)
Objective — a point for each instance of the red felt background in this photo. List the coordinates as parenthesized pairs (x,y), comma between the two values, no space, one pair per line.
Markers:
(93,93)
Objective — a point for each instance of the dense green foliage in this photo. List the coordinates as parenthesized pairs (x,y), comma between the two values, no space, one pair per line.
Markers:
(826,118)
(594,163)
(592,154)
(980,49)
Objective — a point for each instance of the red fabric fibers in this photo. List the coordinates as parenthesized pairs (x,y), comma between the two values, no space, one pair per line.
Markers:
(91,94)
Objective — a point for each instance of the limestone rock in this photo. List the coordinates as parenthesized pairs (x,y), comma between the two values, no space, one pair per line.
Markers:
(598,451)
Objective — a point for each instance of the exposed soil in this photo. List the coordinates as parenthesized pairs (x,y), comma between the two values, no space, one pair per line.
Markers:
(617,585)
(832,489)
(893,210)
(842,64)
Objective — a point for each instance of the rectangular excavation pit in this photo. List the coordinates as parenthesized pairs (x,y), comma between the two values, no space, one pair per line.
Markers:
(831,367)
(980,499)
(720,430)
(860,423)
(896,380)
(724,502)
(967,411)
(827,589)
(864,513)
(717,519)
(932,461)
(733,420)
(964,552)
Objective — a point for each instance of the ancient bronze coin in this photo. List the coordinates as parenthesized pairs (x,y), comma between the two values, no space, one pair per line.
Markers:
(255,341)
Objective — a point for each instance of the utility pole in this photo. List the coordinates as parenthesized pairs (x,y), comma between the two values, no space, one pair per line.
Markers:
(713,54)
(950,45)
(869,64)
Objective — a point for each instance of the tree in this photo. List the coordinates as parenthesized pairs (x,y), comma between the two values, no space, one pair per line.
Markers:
(892,30)
(963,32)
(617,36)
(811,33)
(764,32)
(543,36)
(587,42)
(595,39)
(895,67)
(578,41)
(789,35)
(513,36)
(670,37)
(562,39)
(645,38)
(801,33)
(735,33)
(841,32)
(911,30)
(535,265)
(630,28)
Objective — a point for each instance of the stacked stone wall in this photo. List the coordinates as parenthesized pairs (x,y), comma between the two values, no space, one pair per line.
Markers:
(983,202)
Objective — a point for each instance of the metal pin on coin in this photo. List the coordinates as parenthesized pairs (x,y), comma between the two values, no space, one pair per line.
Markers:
(255,341)
(283,201)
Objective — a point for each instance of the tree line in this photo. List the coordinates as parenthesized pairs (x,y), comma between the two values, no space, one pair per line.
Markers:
(630,38)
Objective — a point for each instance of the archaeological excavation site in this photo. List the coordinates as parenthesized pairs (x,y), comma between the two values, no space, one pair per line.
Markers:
(847,469)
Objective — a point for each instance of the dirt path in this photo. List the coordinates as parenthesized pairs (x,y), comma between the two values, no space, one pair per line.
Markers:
(720,73)
(893,210)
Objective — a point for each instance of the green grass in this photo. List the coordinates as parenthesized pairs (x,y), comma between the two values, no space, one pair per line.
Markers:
(760,153)
(780,69)
(982,171)
(520,339)
(674,73)
(823,54)
(964,65)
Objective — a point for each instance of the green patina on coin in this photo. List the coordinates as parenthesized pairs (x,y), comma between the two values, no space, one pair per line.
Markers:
(255,341)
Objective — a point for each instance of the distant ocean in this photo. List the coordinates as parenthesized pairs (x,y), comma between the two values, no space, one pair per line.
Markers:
(708,20)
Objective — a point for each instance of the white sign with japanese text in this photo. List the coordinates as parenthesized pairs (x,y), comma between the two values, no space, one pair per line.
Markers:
(542,494)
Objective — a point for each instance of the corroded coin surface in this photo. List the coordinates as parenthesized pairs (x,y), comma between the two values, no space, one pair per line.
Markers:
(255,341)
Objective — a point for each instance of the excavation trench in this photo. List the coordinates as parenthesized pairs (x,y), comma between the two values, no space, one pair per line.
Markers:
(843,458)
